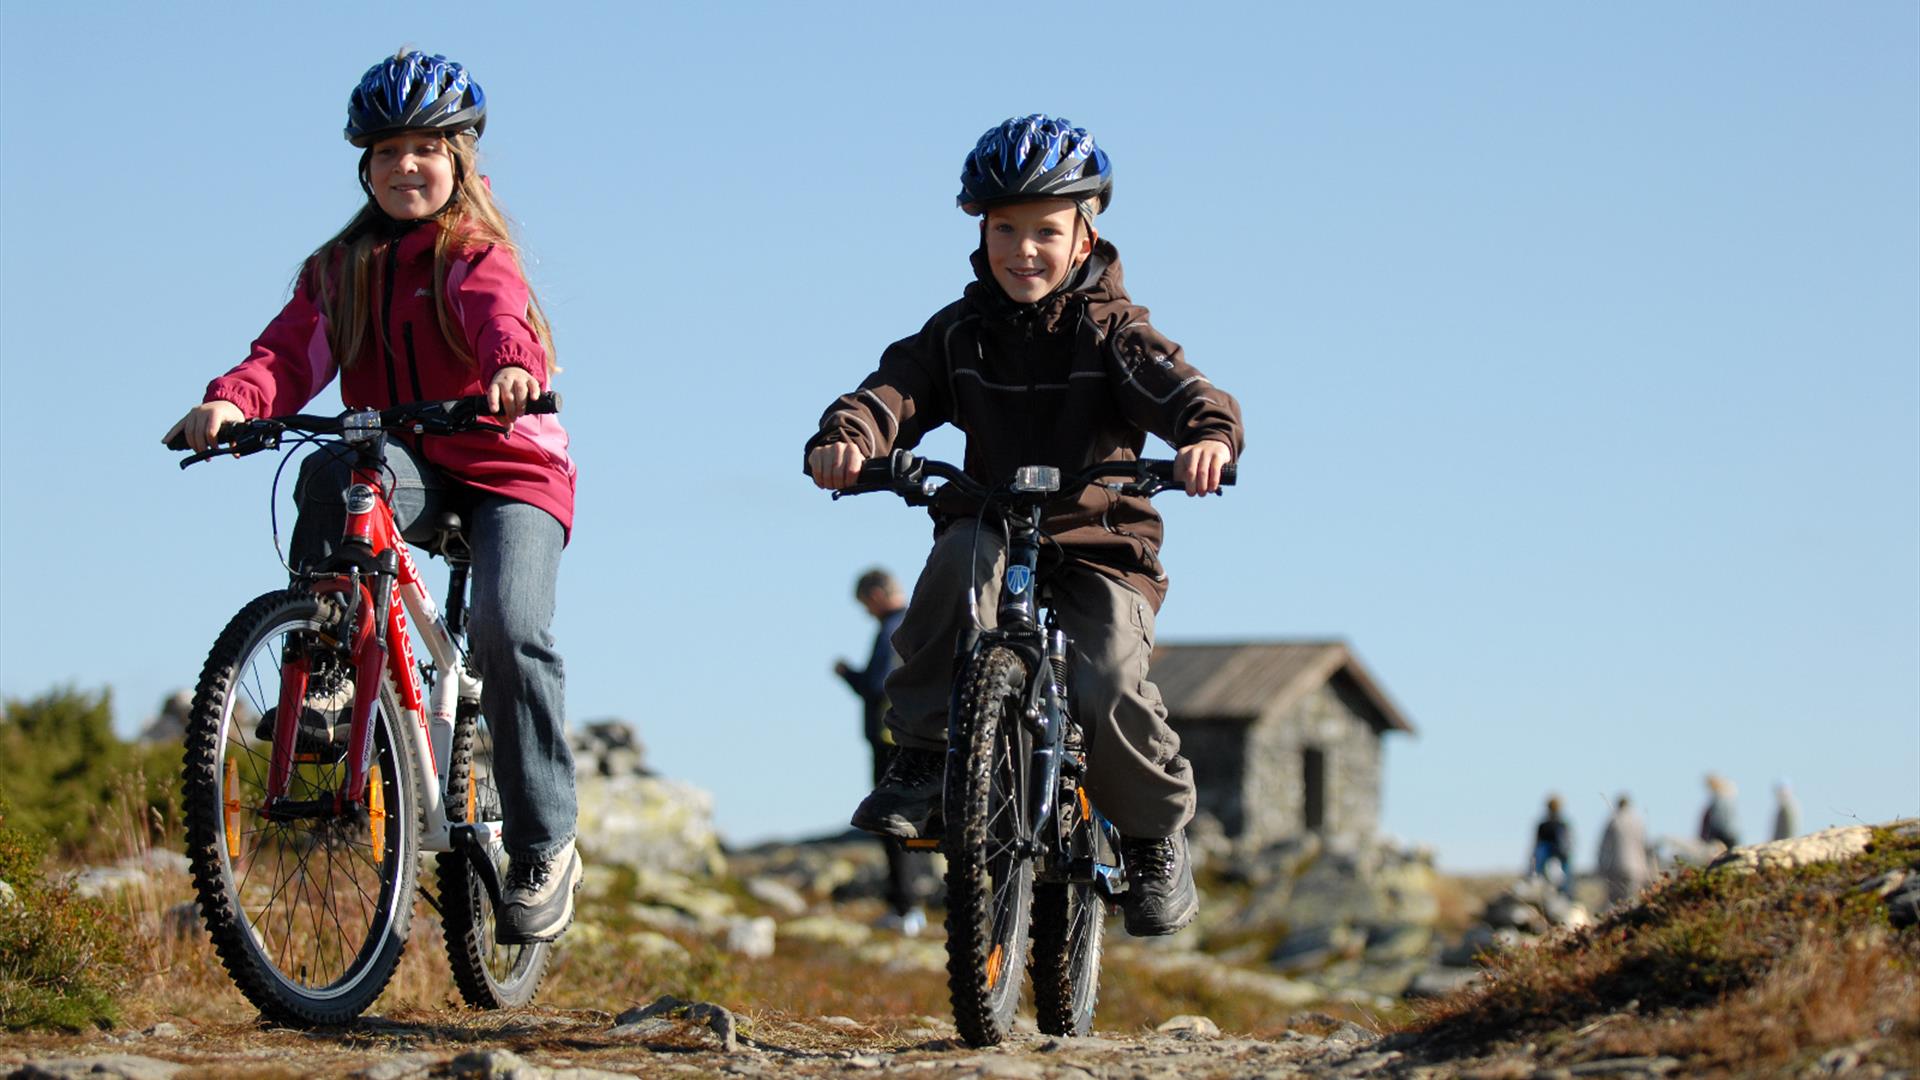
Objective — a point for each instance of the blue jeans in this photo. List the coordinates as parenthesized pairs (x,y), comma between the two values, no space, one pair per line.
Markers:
(516,565)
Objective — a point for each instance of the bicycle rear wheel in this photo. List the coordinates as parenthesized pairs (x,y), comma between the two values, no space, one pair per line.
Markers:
(309,912)
(989,877)
(490,976)
(1069,920)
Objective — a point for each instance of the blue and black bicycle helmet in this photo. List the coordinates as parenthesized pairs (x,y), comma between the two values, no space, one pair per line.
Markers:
(414,92)
(1035,157)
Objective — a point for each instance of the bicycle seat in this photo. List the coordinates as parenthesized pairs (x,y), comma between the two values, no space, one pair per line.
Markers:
(449,539)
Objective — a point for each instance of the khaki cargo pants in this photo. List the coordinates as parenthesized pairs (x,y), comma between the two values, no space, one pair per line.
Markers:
(1135,774)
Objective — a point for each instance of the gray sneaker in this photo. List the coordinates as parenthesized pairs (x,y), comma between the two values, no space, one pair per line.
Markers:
(326,719)
(904,803)
(1160,897)
(538,905)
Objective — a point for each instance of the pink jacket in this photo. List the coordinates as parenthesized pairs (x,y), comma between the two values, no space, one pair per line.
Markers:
(291,362)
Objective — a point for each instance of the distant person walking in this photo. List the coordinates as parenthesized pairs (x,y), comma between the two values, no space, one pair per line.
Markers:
(1624,865)
(1553,842)
(1716,822)
(881,595)
(1786,813)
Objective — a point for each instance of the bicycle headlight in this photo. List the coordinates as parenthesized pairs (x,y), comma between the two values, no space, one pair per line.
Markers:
(1036,479)
(361,426)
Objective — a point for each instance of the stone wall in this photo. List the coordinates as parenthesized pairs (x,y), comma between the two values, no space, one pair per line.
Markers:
(1251,778)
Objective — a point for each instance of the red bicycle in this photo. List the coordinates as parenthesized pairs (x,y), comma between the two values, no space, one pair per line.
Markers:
(322,756)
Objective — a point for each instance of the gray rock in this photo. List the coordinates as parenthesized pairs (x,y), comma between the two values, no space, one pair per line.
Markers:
(645,821)
(777,895)
(6,894)
(714,1018)
(124,1066)
(1398,941)
(751,938)
(1441,981)
(1625,1066)
(1187,1024)
(1314,947)
(1827,845)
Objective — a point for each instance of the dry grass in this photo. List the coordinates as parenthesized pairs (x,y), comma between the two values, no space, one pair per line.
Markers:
(1727,972)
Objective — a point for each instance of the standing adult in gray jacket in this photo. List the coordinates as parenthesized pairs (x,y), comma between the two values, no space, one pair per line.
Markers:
(1623,852)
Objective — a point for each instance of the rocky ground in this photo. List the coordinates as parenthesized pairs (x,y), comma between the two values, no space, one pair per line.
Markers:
(579,1045)
(786,975)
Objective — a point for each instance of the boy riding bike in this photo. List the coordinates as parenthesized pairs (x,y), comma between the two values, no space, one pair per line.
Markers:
(1044,360)
(421,297)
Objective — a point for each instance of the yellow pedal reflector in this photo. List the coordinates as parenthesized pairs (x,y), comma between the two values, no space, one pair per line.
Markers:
(230,820)
(377,809)
(924,843)
(995,965)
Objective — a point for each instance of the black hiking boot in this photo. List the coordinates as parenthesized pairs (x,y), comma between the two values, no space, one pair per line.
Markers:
(1160,897)
(907,797)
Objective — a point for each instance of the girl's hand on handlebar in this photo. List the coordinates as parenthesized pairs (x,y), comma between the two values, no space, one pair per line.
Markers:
(203,423)
(508,394)
(835,465)
(1197,465)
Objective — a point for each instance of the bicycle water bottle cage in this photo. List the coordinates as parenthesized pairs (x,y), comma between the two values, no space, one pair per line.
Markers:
(360,426)
(1036,479)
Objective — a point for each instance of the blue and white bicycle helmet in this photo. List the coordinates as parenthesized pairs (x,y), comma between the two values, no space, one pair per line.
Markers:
(415,92)
(1035,157)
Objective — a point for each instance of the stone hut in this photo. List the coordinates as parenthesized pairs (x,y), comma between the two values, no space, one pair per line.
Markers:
(1284,737)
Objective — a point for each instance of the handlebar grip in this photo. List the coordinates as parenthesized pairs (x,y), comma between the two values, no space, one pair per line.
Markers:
(227,431)
(548,402)
(1229,474)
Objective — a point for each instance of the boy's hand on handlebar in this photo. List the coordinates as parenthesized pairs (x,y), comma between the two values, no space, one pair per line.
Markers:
(509,393)
(202,424)
(1197,465)
(835,465)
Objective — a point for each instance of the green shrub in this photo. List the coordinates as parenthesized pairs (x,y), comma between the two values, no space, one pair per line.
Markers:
(67,770)
(62,957)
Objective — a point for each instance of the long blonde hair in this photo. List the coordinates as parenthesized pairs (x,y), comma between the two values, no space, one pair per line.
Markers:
(342,271)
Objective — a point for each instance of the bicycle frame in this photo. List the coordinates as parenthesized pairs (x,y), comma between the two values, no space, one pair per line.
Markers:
(1025,622)
(379,583)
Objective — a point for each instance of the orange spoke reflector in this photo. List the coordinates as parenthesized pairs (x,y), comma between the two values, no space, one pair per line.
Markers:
(924,843)
(473,796)
(231,819)
(377,809)
(1086,810)
(994,965)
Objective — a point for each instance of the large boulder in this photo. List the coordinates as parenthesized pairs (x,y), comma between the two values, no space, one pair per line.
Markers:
(630,817)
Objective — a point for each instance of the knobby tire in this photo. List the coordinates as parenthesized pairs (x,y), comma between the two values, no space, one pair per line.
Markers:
(989,888)
(490,976)
(310,916)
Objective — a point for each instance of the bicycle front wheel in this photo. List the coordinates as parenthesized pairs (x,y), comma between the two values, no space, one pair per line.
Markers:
(308,910)
(490,976)
(989,876)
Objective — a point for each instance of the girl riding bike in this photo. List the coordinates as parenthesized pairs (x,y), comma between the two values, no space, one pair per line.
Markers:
(421,297)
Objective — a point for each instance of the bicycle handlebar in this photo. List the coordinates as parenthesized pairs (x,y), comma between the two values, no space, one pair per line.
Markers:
(423,417)
(911,477)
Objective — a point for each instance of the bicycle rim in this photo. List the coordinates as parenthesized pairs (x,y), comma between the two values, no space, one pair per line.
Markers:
(989,883)
(308,915)
(489,975)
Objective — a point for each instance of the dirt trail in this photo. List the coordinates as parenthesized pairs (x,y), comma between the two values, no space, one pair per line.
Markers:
(584,1044)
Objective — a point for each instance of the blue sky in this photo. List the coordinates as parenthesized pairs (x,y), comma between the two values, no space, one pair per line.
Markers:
(1579,348)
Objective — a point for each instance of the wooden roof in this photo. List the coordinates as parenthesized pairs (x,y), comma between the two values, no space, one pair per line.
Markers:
(1244,681)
